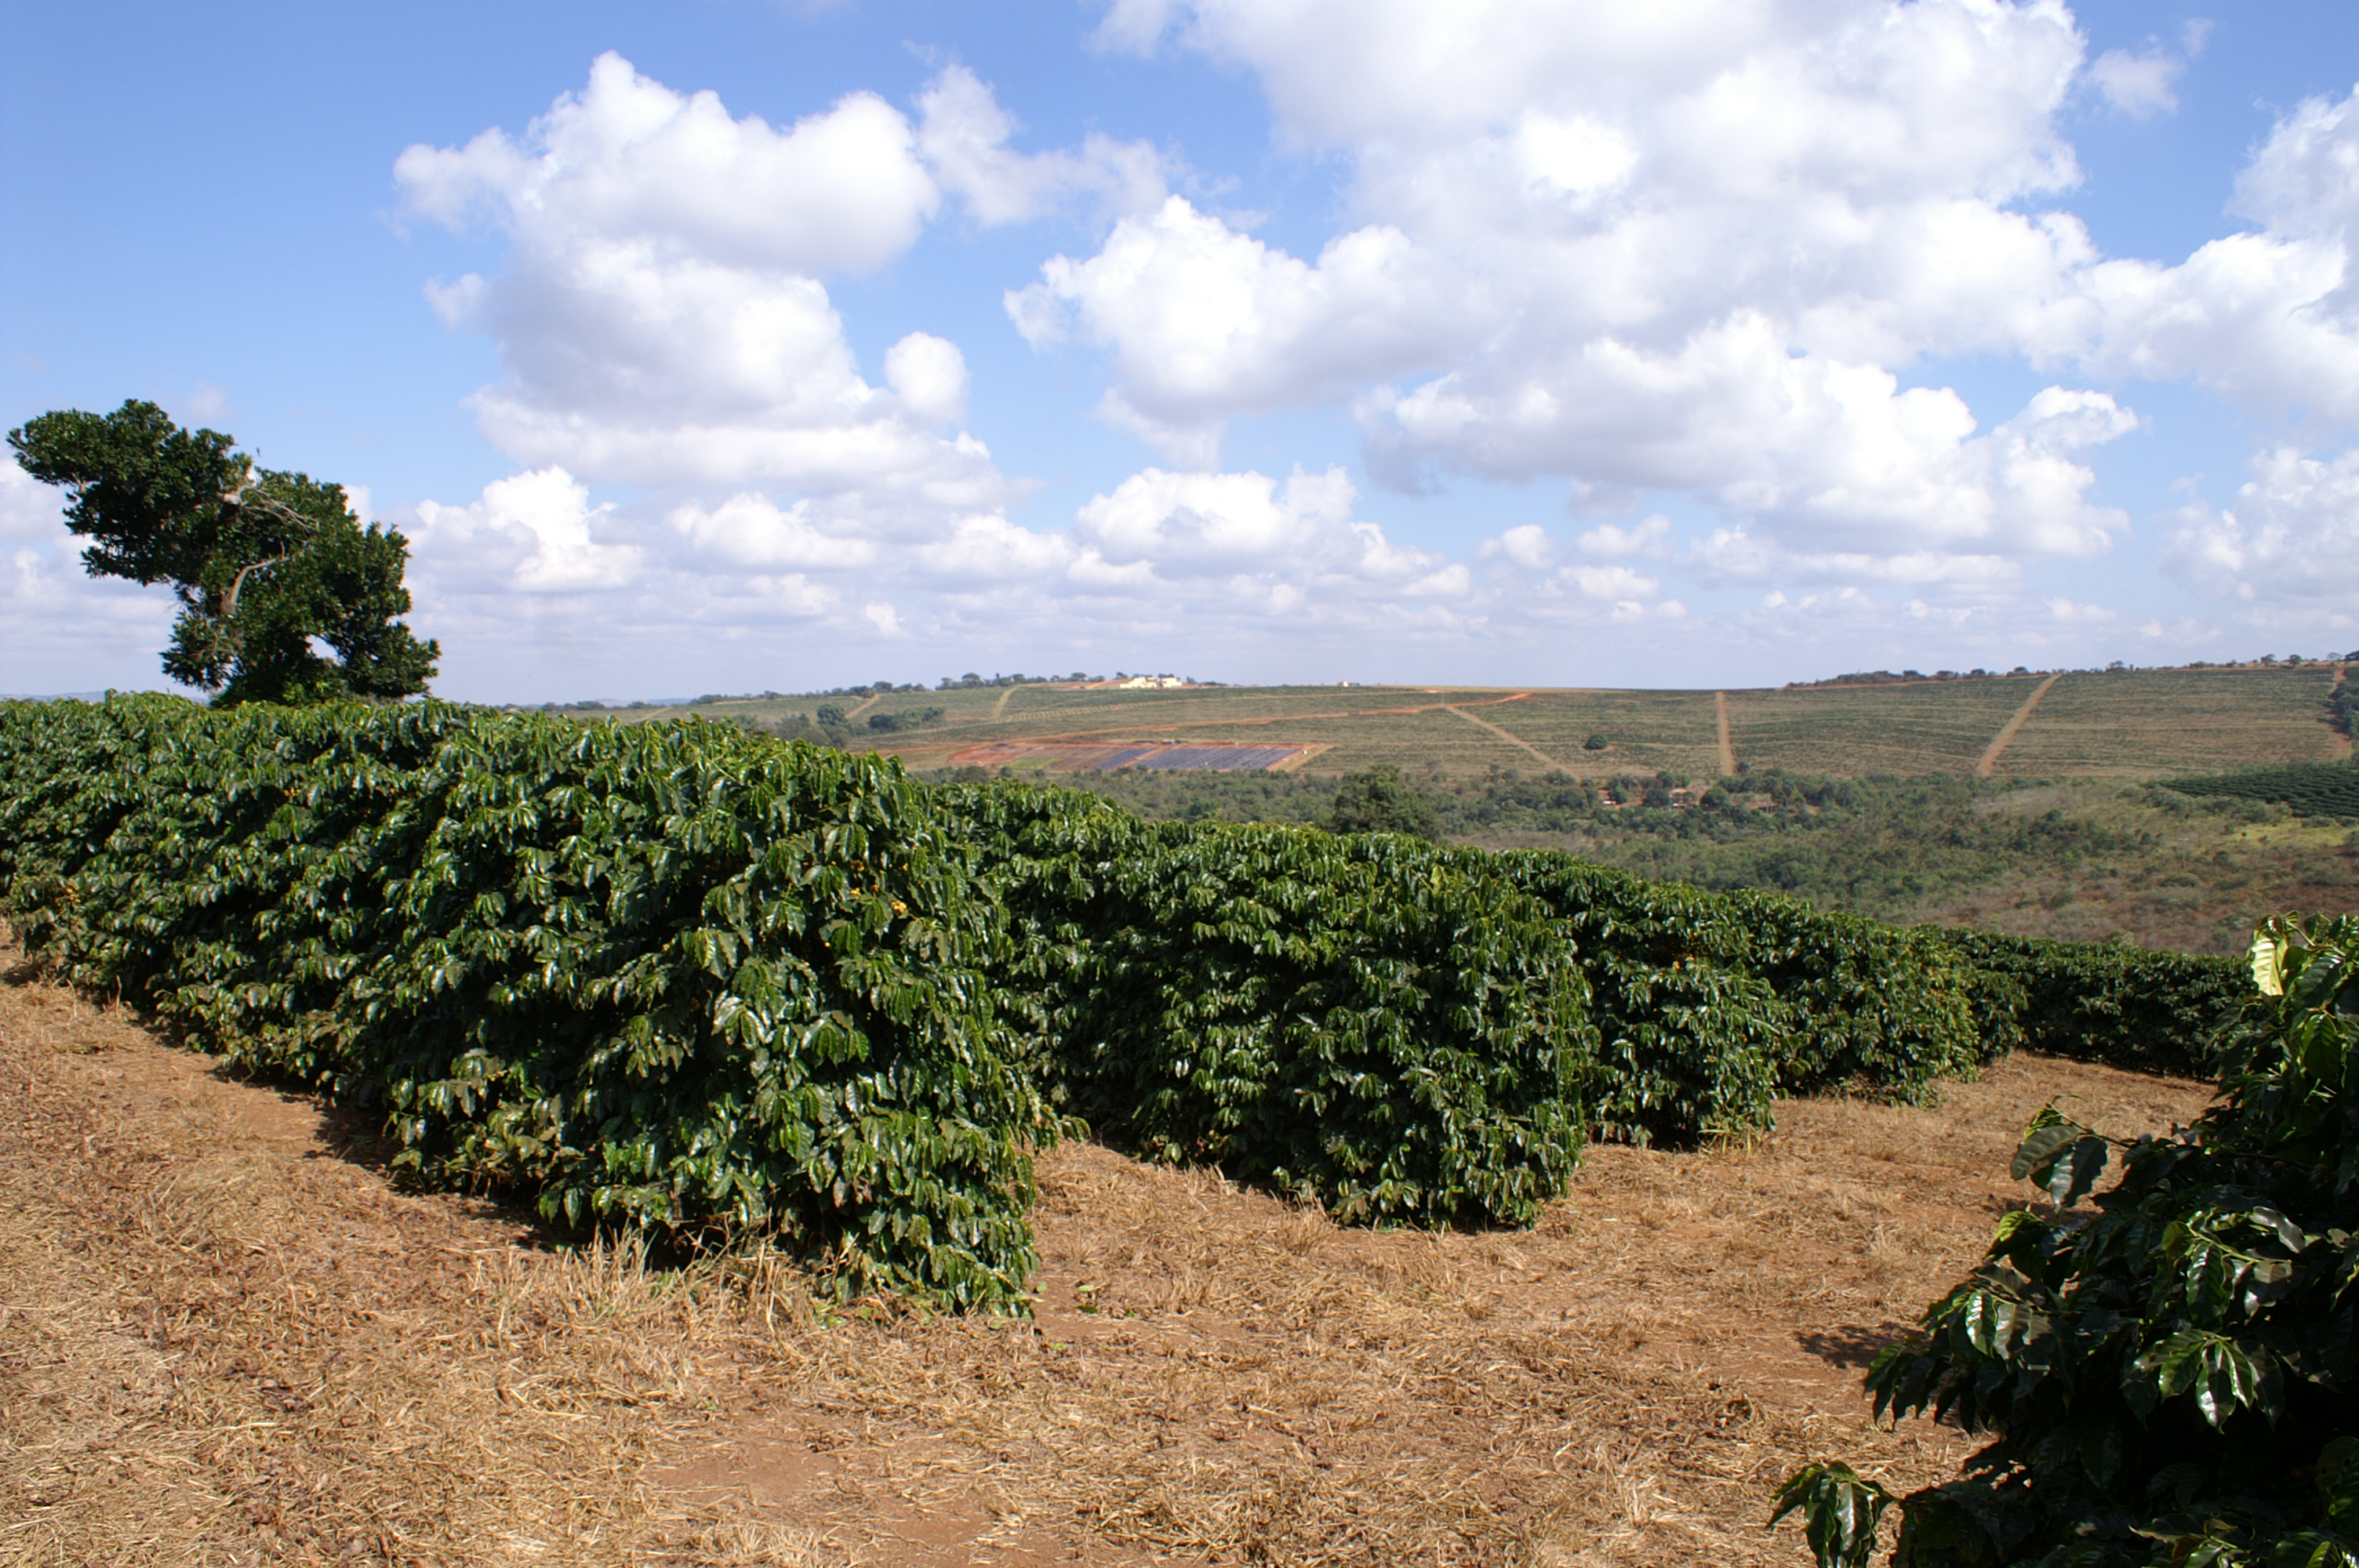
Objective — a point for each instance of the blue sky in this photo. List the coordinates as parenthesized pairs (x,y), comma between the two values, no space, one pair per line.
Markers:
(738,345)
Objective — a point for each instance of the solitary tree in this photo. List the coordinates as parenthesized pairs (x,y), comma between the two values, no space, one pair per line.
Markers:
(284,596)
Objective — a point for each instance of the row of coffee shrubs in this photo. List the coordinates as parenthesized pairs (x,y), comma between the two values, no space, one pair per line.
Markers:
(682,976)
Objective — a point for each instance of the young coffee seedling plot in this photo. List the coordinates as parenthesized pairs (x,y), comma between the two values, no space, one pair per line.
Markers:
(1677,732)
(1906,731)
(2140,724)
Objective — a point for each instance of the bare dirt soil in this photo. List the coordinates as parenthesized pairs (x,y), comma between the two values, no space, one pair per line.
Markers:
(225,1338)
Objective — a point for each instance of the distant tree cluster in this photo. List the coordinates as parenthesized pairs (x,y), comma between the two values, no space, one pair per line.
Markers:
(1889,678)
(973,682)
(909,718)
(1382,801)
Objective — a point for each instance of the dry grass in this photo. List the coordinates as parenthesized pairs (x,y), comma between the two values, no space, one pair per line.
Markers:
(224,1340)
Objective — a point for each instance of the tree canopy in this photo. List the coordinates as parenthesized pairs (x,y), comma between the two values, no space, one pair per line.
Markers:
(1381,801)
(285,596)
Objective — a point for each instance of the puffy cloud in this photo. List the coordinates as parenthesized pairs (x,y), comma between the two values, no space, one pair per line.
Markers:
(534,533)
(2304,181)
(747,530)
(929,374)
(54,617)
(1695,247)
(1650,537)
(2141,84)
(31,513)
(663,318)
(1527,545)
(630,161)
(1166,548)
(962,135)
(2292,533)
(1248,535)
(1206,323)
(1528,585)
(1528,588)
(1806,447)
(2269,316)
(986,550)
(1669,246)
(662,315)
(2138,83)
(2257,316)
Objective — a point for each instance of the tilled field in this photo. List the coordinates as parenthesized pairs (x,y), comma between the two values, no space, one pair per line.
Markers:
(225,1339)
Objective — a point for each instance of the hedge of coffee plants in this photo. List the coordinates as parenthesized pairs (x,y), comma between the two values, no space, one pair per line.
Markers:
(677,976)
(1711,1005)
(2130,1007)
(2328,790)
(1364,1020)
(2166,1377)
(686,976)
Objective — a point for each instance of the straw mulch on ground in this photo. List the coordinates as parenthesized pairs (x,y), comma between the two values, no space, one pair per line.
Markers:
(225,1339)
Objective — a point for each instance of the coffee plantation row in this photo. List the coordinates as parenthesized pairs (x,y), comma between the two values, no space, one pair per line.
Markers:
(691,979)
(2163,1377)
(2330,790)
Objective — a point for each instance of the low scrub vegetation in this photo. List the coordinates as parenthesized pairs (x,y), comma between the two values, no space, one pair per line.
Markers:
(2086,861)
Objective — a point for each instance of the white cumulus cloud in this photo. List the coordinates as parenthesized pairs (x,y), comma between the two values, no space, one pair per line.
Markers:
(55,616)
(662,315)
(2292,535)
(2139,82)
(962,135)
(534,533)
(1699,248)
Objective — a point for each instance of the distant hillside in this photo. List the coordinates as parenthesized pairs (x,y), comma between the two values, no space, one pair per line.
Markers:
(2125,724)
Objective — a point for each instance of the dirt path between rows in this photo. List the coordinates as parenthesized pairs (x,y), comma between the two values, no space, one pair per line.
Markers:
(2006,736)
(2350,740)
(1517,741)
(224,1338)
(1727,746)
(1147,725)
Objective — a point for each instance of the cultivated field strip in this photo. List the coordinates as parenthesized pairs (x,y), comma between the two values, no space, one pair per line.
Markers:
(2154,722)
(2130,723)
(1930,726)
(1988,765)
(1649,731)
